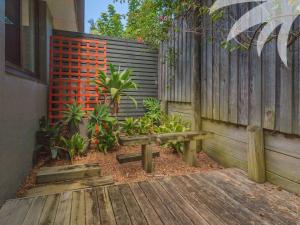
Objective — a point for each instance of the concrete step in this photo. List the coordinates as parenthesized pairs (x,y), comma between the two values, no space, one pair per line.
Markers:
(71,185)
(67,172)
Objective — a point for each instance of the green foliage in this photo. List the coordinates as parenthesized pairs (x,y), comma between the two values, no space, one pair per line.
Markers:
(173,124)
(150,20)
(99,118)
(145,125)
(74,145)
(130,126)
(155,121)
(72,117)
(116,85)
(152,106)
(104,128)
(109,23)
(146,23)
(48,137)
(107,140)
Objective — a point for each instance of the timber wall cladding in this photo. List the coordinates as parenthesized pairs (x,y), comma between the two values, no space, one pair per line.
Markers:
(175,64)
(138,57)
(242,88)
(229,147)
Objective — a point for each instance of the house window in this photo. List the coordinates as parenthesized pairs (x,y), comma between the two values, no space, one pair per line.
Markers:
(21,35)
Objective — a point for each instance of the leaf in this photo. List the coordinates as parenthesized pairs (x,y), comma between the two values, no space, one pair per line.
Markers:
(133,100)
(114,92)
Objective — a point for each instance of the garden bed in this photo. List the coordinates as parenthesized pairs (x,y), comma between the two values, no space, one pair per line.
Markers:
(168,164)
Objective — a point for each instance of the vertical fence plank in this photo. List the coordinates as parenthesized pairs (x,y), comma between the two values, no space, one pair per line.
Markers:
(209,72)
(243,96)
(184,67)
(286,95)
(216,69)
(180,61)
(269,88)
(174,66)
(189,62)
(203,63)
(224,73)
(234,78)
(296,83)
(255,81)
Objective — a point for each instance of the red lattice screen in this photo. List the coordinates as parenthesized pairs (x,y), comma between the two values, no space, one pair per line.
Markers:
(74,63)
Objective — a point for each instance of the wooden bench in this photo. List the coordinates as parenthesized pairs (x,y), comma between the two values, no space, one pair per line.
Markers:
(188,138)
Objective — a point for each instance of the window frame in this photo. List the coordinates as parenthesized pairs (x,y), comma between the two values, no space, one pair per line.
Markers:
(18,70)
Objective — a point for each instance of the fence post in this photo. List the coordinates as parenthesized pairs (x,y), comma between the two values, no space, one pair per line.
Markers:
(147,158)
(189,153)
(256,154)
(196,82)
(164,106)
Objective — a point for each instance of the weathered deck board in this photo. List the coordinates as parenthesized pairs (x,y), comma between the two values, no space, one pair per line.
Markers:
(133,209)
(258,203)
(70,186)
(161,209)
(67,172)
(215,197)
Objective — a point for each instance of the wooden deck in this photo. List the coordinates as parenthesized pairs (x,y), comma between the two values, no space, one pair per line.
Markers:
(216,197)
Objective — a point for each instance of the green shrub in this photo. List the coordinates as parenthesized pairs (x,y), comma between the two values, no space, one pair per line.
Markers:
(130,126)
(74,145)
(104,128)
(145,125)
(152,106)
(173,124)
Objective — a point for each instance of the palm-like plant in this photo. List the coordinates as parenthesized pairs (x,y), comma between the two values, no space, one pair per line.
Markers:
(72,117)
(116,85)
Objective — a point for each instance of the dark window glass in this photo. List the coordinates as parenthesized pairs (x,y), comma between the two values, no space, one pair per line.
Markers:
(20,36)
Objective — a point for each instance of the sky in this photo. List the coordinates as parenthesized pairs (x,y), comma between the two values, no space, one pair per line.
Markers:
(93,8)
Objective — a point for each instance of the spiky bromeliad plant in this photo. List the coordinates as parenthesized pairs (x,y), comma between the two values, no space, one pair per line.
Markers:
(116,85)
(72,117)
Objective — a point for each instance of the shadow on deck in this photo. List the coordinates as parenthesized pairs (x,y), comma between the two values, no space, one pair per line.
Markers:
(215,197)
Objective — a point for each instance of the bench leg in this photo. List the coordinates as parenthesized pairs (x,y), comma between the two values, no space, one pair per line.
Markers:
(189,153)
(147,161)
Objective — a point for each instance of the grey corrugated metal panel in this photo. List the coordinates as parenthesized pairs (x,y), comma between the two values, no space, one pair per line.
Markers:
(144,74)
(148,82)
(145,78)
(127,52)
(111,46)
(133,63)
(137,70)
(132,109)
(130,114)
(148,60)
(112,40)
(146,94)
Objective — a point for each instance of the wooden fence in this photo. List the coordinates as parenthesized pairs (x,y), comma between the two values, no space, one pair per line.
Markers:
(138,57)
(238,89)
